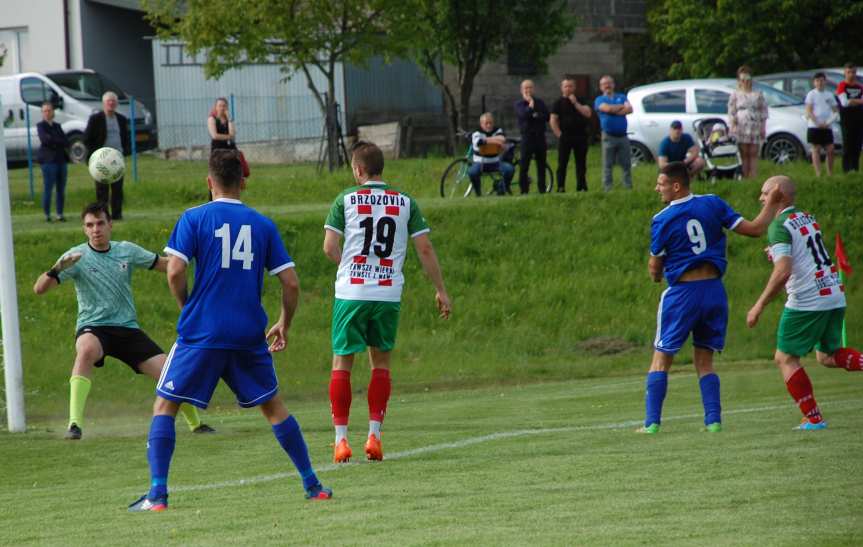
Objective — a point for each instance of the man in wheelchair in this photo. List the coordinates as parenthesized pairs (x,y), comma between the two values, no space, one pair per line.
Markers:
(490,155)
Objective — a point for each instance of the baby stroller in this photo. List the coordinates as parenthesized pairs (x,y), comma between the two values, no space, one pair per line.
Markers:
(718,149)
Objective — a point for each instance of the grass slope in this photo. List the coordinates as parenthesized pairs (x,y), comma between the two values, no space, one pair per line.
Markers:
(544,287)
(550,464)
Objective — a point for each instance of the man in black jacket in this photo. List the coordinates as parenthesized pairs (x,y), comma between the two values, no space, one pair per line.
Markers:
(532,116)
(109,128)
(570,122)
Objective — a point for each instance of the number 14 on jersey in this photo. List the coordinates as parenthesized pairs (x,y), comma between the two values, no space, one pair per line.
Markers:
(242,250)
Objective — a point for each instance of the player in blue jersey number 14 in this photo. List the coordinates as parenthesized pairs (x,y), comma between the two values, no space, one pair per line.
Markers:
(220,334)
(687,247)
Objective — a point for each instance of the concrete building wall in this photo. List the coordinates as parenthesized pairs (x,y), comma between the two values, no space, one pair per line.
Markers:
(595,49)
(33,35)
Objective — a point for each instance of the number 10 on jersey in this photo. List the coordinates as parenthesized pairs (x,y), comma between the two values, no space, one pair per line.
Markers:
(242,250)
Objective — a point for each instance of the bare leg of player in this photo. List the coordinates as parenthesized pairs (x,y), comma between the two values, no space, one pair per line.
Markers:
(88,350)
(340,405)
(380,387)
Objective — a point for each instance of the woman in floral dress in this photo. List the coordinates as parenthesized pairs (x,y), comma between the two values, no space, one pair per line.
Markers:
(747,110)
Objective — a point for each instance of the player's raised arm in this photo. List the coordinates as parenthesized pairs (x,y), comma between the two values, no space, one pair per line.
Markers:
(430,264)
(771,198)
(332,245)
(290,298)
(177,279)
(51,278)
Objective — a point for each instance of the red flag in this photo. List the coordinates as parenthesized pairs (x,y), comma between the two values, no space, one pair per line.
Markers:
(841,257)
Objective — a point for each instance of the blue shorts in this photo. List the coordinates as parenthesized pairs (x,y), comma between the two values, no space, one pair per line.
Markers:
(699,307)
(190,375)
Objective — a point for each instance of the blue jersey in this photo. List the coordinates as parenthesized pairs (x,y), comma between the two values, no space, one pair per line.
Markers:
(613,124)
(690,231)
(231,244)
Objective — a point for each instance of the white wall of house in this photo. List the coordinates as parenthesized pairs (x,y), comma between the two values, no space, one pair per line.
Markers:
(33,34)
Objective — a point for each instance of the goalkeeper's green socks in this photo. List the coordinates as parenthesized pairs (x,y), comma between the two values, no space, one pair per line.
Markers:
(190,414)
(79,388)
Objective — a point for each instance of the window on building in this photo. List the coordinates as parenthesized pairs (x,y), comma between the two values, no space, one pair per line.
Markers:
(672,102)
(14,51)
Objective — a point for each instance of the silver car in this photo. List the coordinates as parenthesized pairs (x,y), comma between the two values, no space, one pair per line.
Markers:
(655,106)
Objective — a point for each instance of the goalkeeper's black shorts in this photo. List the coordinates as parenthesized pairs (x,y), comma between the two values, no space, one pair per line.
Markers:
(132,346)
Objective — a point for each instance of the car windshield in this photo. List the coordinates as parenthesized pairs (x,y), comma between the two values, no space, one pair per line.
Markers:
(774,97)
(86,86)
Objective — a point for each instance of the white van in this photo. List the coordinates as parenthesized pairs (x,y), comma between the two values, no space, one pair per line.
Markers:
(76,94)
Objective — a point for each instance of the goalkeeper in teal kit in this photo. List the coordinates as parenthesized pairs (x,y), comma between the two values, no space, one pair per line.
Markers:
(222,324)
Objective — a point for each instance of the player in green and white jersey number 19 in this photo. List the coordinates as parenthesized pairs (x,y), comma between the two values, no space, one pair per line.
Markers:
(376,222)
(815,308)
(107,324)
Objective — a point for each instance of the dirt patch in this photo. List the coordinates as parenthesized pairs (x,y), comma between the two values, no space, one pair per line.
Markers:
(605,345)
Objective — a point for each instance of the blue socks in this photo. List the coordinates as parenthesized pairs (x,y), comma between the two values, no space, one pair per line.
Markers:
(290,436)
(709,384)
(160,448)
(657,386)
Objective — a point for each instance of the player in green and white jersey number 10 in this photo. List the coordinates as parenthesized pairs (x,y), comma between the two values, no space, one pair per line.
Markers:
(107,324)
(376,222)
(815,308)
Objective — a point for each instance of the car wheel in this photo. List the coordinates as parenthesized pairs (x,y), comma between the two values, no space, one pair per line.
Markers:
(77,148)
(639,153)
(783,148)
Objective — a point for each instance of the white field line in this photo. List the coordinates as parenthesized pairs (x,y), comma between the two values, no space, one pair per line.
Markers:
(470,441)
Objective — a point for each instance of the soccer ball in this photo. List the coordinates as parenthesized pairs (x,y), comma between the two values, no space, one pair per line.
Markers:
(106,165)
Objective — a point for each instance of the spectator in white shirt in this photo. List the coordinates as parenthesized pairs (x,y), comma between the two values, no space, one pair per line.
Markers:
(821,112)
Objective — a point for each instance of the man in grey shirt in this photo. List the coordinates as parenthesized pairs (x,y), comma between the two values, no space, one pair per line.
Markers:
(109,128)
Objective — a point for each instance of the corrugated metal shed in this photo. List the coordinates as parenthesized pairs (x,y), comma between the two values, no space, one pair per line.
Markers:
(267,106)
(383,92)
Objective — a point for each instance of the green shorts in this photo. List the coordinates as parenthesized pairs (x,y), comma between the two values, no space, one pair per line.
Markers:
(800,331)
(361,323)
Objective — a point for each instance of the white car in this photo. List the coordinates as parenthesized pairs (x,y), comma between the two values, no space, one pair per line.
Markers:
(655,106)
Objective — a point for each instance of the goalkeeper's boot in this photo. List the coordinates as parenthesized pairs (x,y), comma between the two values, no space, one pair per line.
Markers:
(319,492)
(806,425)
(144,504)
(715,427)
(203,429)
(73,433)
(342,452)
(651,429)
(374,449)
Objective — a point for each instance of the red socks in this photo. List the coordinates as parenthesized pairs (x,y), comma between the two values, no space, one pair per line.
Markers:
(800,389)
(849,358)
(340,396)
(379,394)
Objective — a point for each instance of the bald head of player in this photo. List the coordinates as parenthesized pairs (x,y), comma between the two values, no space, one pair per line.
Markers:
(367,161)
(673,181)
(785,187)
(225,174)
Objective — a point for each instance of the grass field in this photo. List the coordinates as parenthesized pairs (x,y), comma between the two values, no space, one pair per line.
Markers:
(551,464)
(527,396)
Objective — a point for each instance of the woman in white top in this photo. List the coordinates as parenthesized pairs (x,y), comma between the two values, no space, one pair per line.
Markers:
(821,112)
(747,112)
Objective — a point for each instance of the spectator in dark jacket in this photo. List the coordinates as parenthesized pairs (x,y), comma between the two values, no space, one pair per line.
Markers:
(53,156)
(532,116)
(570,123)
(109,128)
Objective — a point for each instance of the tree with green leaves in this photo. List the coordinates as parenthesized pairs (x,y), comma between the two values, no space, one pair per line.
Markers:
(299,35)
(466,34)
(713,38)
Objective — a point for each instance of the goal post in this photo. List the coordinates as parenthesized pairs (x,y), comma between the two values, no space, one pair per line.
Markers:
(9,306)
